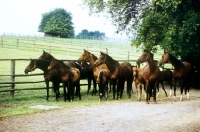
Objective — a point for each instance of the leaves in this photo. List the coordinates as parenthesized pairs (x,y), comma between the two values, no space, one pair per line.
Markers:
(58,22)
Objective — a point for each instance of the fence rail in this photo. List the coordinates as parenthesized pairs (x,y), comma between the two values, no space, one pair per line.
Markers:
(10,86)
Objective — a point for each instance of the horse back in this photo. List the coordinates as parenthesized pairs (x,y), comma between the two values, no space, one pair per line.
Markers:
(126,70)
(75,74)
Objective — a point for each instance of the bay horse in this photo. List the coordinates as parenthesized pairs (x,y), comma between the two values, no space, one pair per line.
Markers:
(182,72)
(165,75)
(85,72)
(119,74)
(70,78)
(150,74)
(51,75)
(91,58)
(102,79)
(139,81)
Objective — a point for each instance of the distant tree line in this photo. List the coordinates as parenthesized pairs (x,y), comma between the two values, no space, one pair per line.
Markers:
(58,23)
(91,34)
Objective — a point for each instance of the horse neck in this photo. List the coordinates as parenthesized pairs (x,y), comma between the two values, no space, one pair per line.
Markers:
(111,64)
(43,65)
(152,64)
(92,59)
(175,62)
(61,68)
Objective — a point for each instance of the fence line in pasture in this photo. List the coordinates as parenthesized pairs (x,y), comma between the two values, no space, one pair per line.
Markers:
(10,86)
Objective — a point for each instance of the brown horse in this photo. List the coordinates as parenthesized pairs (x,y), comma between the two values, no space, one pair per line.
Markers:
(86,71)
(51,75)
(139,81)
(102,79)
(182,72)
(119,73)
(70,78)
(165,75)
(91,58)
(150,74)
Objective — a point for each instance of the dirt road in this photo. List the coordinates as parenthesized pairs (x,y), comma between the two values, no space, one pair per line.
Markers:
(165,116)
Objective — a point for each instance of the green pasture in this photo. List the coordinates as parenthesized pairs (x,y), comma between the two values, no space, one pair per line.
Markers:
(68,49)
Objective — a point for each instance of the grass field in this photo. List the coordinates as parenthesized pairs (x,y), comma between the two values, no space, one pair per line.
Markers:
(61,49)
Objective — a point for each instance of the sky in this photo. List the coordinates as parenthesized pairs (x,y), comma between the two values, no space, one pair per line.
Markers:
(24,17)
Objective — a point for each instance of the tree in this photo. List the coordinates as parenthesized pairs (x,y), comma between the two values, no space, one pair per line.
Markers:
(91,35)
(57,23)
(173,25)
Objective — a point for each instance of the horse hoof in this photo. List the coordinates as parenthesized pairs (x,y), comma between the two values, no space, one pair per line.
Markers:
(155,102)
(147,102)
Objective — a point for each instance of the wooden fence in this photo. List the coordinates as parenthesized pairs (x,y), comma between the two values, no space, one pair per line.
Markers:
(9,86)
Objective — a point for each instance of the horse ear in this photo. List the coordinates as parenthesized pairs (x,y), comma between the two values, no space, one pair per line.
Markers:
(43,51)
(165,51)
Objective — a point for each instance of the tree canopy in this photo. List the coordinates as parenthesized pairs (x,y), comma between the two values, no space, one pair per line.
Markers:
(91,34)
(174,25)
(57,23)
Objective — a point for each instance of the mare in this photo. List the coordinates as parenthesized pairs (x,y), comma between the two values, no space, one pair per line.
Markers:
(139,81)
(102,80)
(51,75)
(86,72)
(119,73)
(70,78)
(165,75)
(150,74)
(91,58)
(182,72)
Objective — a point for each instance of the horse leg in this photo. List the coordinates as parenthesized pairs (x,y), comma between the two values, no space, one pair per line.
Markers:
(154,91)
(56,89)
(147,94)
(164,88)
(89,85)
(94,85)
(64,89)
(174,83)
(121,89)
(114,90)
(47,88)
(129,87)
(187,89)
(182,86)
(158,88)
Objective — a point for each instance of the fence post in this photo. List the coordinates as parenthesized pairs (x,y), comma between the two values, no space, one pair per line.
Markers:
(50,47)
(12,77)
(106,50)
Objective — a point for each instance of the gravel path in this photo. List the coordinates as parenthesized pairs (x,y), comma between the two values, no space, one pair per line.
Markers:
(165,116)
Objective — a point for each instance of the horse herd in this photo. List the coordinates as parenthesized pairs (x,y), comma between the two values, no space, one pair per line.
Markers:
(105,70)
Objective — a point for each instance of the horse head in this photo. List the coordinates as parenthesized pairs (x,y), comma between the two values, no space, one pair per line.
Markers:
(84,56)
(146,55)
(31,66)
(52,64)
(101,60)
(45,56)
(164,58)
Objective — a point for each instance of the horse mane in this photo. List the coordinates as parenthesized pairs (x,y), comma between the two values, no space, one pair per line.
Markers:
(93,56)
(177,62)
(111,59)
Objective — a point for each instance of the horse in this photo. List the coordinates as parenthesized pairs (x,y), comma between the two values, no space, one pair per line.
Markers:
(150,74)
(139,81)
(91,58)
(70,78)
(51,75)
(119,74)
(182,72)
(165,75)
(102,79)
(86,72)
